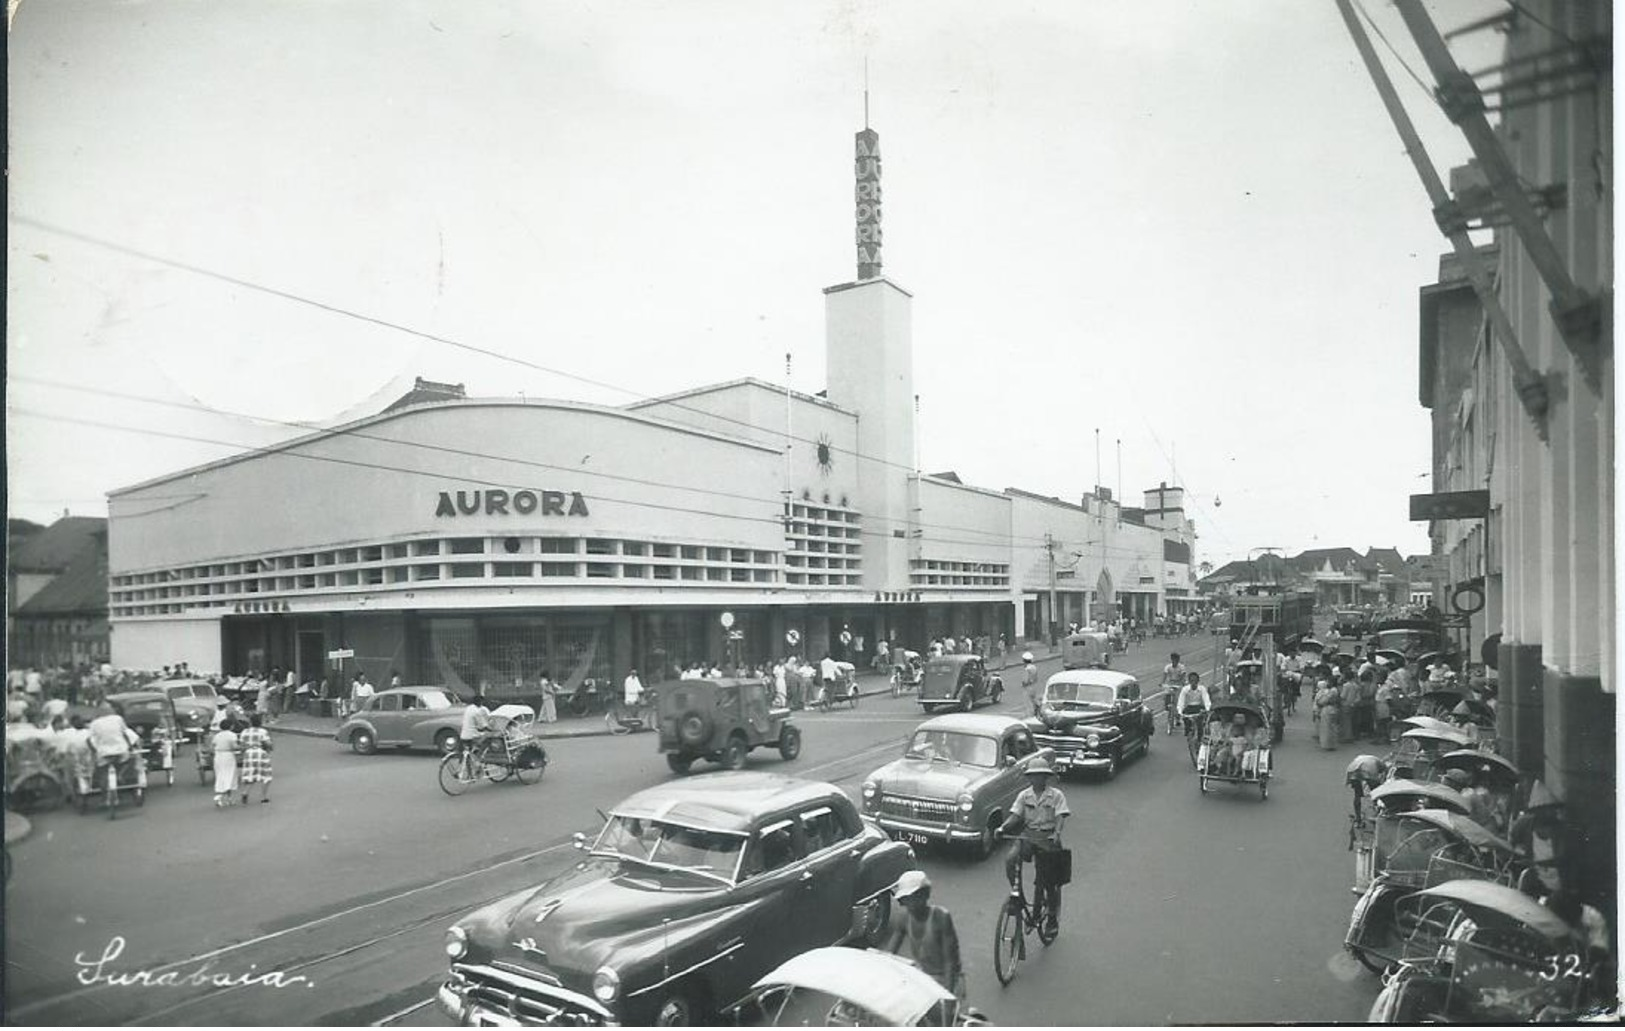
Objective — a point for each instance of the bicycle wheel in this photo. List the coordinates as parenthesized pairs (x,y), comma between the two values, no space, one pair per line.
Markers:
(112,791)
(1008,946)
(1047,932)
(455,775)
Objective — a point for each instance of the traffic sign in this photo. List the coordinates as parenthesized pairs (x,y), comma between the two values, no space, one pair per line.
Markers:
(736,635)
(342,653)
(727,620)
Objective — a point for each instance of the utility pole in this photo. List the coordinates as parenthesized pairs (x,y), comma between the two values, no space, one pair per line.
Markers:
(1049,550)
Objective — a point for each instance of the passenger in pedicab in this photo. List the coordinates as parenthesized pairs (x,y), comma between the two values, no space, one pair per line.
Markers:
(1245,733)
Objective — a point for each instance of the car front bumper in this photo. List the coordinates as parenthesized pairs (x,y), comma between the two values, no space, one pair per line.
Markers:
(479,996)
(903,828)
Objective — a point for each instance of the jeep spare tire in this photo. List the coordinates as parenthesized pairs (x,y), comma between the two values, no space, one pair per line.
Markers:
(789,742)
(694,728)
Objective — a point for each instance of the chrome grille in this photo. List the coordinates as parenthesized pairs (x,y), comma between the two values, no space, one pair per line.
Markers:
(1061,742)
(910,808)
(523,1005)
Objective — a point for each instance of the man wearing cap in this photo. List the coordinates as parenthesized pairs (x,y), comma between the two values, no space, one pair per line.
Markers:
(925,933)
(1038,813)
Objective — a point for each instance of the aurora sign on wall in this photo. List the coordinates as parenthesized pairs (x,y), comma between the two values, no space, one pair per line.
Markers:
(502,502)
(867,196)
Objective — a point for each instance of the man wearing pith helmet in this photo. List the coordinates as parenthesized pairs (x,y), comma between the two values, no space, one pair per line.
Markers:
(1038,813)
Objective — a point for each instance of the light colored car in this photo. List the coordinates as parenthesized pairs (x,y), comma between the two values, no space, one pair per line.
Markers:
(404,717)
(955,782)
(196,702)
(846,987)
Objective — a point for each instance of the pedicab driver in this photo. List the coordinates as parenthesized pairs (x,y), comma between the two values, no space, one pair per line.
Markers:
(111,740)
(476,730)
(925,933)
(1038,813)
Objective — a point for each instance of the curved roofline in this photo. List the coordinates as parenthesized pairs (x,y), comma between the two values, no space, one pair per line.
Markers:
(709,388)
(970,721)
(419,409)
(1091,675)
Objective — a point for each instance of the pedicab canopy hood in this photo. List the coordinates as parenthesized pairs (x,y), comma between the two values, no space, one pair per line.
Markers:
(887,986)
(1486,898)
(1437,795)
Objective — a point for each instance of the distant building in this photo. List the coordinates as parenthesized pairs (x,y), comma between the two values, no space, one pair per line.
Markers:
(56,582)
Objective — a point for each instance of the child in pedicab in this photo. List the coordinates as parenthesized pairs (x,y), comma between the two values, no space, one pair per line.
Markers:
(1241,737)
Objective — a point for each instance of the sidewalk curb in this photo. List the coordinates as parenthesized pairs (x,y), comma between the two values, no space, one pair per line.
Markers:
(599,730)
(17,827)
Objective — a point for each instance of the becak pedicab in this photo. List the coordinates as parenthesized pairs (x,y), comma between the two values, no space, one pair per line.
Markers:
(1503,959)
(907,674)
(1429,847)
(844,691)
(1235,748)
(1418,748)
(1493,784)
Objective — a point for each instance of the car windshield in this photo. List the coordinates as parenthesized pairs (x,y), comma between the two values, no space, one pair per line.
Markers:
(433,700)
(203,691)
(145,705)
(179,692)
(950,746)
(1078,694)
(668,846)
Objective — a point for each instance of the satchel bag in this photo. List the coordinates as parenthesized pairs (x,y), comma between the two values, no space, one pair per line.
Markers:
(1054,867)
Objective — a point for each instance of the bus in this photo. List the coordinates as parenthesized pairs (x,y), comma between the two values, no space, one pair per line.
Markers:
(1285,615)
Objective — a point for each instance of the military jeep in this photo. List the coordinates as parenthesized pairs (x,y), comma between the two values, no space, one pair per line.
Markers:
(721,720)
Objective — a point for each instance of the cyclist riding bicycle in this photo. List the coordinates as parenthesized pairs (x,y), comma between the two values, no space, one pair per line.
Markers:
(111,739)
(1193,700)
(1038,813)
(1173,681)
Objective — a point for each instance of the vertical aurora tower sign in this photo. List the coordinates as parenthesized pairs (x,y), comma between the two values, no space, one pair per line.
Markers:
(867,196)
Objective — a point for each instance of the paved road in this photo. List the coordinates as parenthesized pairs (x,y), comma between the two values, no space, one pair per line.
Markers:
(1184,908)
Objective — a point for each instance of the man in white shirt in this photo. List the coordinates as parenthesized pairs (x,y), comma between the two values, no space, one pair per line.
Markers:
(110,737)
(632,691)
(781,690)
(828,673)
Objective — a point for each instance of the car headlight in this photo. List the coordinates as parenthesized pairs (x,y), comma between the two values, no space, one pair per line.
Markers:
(1093,740)
(966,803)
(606,984)
(456,942)
(871,790)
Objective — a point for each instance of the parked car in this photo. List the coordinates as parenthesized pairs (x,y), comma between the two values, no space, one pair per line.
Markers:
(196,702)
(1094,719)
(692,891)
(1414,638)
(404,717)
(958,681)
(1351,623)
(721,720)
(955,782)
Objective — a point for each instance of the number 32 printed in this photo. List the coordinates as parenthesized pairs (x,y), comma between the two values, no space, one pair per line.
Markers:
(1558,967)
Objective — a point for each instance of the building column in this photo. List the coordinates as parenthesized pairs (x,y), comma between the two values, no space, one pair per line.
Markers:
(1579,768)
(1520,717)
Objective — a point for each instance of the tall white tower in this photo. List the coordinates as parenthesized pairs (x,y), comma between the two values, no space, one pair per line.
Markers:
(869,355)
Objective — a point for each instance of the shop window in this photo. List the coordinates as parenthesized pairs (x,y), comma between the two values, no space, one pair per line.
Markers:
(426,572)
(598,546)
(511,569)
(467,546)
(600,569)
(467,570)
(558,569)
(425,547)
(557,545)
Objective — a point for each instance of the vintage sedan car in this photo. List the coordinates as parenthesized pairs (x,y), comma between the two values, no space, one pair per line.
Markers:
(1351,623)
(151,714)
(955,782)
(404,717)
(196,702)
(1094,719)
(959,682)
(692,891)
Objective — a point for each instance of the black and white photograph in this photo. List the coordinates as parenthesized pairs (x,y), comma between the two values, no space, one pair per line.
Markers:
(837,513)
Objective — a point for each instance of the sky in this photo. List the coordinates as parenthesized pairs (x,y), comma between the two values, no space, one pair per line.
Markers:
(1189,226)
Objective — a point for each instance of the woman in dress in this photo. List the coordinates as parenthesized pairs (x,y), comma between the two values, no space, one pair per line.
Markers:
(550,704)
(225,763)
(256,746)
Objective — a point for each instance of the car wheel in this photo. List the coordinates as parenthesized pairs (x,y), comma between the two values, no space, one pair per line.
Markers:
(733,754)
(874,920)
(678,763)
(789,743)
(363,742)
(445,742)
(677,1009)
(965,700)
